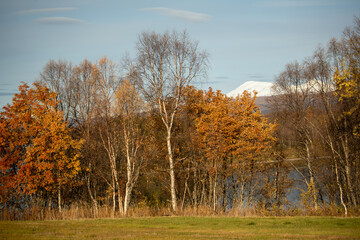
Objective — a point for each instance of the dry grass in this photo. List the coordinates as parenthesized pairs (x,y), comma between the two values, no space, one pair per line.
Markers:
(85,211)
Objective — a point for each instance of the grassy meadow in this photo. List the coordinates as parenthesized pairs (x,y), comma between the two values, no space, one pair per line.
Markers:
(185,228)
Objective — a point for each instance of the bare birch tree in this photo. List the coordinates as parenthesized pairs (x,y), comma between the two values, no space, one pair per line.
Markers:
(85,87)
(58,76)
(108,80)
(167,63)
(129,106)
(294,94)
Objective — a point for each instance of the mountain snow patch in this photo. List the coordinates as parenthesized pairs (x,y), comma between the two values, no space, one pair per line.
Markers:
(262,88)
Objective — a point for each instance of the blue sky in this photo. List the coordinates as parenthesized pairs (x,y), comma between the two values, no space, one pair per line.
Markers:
(246,40)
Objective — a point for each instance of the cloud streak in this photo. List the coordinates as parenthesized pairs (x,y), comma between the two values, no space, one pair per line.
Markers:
(46,10)
(58,20)
(297,3)
(180,14)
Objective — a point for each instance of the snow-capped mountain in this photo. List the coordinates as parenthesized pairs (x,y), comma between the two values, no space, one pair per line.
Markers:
(262,89)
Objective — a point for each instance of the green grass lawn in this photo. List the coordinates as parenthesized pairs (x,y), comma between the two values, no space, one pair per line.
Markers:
(186,228)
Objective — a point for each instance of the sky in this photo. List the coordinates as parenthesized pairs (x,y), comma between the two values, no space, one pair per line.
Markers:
(246,40)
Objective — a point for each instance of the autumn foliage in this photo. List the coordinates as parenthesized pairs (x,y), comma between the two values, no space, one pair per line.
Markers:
(135,138)
(232,136)
(37,154)
(232,128)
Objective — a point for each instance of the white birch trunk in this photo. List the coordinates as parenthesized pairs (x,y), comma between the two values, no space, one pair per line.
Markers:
(129,184)
(171,171)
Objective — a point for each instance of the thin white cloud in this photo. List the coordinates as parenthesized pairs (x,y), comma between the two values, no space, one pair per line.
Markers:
(46,10)
(181,14)
(298,3)
(58,20)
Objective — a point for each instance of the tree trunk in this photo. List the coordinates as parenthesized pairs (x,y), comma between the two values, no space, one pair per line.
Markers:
(120,201)
(116,184)
(242,195)
(50,204)
(127,199)
(214,192)
(312,189)
(59,197)
(93,200)
(330,142)
(224,193)
(234,197)
(129,182)
(195,192)
(129,173)
(277,188)
(340,187)
(203,192)
(117,188)
(186,187)
(210,196)
(172,172)
(345,146)
(113,195)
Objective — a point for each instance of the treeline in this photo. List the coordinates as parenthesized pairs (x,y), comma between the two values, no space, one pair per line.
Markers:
(317,106)
(116,138)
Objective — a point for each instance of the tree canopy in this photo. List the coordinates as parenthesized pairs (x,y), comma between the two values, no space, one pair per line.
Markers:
(38,154)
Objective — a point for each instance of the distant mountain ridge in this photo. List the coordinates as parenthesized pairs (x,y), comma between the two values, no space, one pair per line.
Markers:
(263,89)
(264,92)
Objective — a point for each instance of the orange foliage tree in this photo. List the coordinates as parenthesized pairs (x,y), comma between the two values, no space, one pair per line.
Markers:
(37,153)
(233,136)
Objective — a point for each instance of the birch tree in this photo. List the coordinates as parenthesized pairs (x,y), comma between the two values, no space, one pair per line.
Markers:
(58,76)
(294,97)
(167,63)
(107,83)
(129,107)
(85,88)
